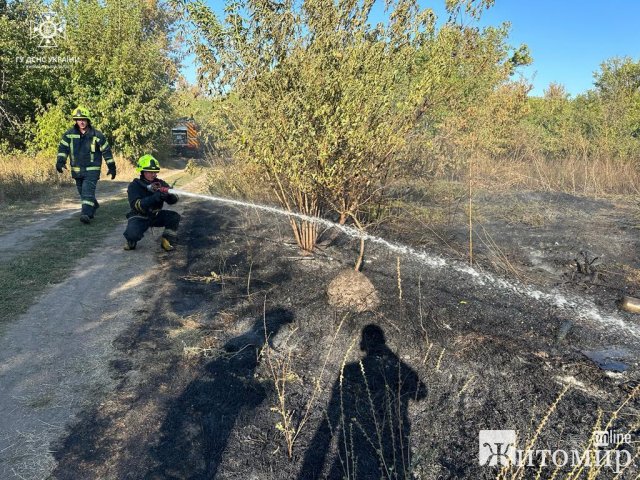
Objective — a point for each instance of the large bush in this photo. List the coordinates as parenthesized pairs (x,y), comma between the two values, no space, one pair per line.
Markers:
(324,102)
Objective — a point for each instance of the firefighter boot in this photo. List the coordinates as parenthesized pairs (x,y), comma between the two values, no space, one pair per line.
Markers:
(166,245)
(95,209)
(130,245)
(85,218)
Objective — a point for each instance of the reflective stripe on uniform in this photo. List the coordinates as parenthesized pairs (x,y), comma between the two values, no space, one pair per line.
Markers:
(104,146)
(110,161)
(63,155)
(88,202)
(64,143)
(92,168)
(139,207)
(75,169)
(73,135)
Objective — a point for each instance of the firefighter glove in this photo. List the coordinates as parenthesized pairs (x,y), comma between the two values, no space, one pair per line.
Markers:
(112,172)
(60,168)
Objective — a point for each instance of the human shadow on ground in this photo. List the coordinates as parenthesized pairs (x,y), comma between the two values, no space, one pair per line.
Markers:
(368,414)
(198,423)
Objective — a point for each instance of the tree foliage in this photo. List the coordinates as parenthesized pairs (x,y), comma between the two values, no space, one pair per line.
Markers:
(125,50)
(473,106)
(618,90)
(123,72)
(22,88)
(324,102)
(604,122)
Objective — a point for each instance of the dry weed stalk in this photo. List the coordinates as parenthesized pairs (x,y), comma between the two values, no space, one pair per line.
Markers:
(466,385)
(282,373)
(588,467)
(197,351)
(426,355)
(595,467)
(470,210)
(420,303)
(440,359)
(501,259)
(632,462)
(213,277)
(349,463)
(376,424)
(393,410)
(345,461)
(249,279)
(399,280)
(520,470)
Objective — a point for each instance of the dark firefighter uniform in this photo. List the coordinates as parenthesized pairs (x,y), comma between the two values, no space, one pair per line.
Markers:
(146,211)
(85,152)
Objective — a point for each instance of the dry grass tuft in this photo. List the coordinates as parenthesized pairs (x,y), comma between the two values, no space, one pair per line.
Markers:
(28,177)
(577,176)
(237,180)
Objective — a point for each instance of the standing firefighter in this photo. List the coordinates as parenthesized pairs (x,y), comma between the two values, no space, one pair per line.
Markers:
(86,147)
(147,195)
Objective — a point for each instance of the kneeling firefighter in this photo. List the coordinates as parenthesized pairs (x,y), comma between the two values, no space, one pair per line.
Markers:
(147,195)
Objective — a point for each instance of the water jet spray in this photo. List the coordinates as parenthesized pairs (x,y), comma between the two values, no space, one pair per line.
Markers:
(583,308)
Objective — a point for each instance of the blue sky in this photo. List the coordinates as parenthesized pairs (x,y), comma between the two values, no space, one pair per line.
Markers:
(568,39)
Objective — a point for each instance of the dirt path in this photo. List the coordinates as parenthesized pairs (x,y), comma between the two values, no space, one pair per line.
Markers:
(55,359)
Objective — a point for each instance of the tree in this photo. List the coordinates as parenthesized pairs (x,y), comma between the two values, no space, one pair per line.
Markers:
(22,88)
(618,88)
(468,72)
(552,127)
(124,73)
(323,101)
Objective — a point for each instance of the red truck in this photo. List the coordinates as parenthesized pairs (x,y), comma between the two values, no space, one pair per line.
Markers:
(184,138)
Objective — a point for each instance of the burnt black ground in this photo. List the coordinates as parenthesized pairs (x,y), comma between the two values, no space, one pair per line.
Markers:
(196,395)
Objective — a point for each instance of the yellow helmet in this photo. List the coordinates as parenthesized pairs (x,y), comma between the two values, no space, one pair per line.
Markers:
(80,113)
(147,163)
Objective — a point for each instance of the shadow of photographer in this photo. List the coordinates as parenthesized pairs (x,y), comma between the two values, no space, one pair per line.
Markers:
(368,416)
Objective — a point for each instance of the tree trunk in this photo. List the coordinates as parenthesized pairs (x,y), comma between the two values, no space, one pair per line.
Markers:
(305,232)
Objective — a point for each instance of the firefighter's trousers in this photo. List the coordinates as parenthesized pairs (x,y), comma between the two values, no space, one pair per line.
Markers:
(137,225)
(86,185)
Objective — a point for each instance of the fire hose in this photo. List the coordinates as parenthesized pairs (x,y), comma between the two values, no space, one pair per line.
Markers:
(157,187)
